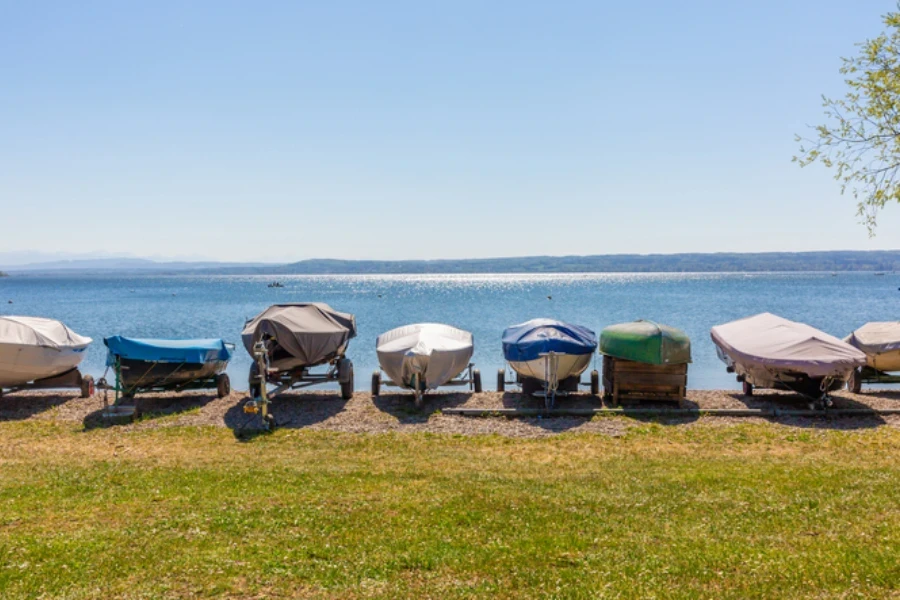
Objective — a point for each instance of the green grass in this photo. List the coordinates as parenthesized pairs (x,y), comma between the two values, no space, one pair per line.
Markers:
(663,512)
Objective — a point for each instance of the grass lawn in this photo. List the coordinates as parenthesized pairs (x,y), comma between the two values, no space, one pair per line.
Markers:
(745,511)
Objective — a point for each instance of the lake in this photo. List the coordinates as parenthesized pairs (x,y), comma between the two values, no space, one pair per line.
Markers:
(217,305)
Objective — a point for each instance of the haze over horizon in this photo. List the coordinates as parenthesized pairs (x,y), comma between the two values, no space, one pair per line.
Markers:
(399,131)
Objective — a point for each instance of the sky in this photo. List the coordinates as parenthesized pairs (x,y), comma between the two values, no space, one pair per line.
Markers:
(280,131)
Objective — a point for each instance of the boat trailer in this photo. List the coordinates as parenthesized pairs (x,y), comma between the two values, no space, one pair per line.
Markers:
(72,379)
(472,379)
(551,386)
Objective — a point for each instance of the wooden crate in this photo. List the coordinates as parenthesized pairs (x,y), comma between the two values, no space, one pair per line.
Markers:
(628,381)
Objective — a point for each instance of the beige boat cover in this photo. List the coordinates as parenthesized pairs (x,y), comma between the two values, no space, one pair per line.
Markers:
(876,338)
(435,352)
(312,333)
(774,343)
(41,332)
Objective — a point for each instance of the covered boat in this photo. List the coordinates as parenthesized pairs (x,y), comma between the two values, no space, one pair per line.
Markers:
(287,340)
(548,352)
(144,365)
(425,356)
(35,350)
(646,342)
(772,352)
(880,342)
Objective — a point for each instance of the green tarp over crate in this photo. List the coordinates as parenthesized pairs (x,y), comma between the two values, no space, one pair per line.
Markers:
(646,342)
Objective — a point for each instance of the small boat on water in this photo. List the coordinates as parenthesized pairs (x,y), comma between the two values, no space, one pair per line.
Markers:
(285,341)
(548,356)
(880,342)
(41,353)
(276,284)
(152,365)
(425,356)
(768,351)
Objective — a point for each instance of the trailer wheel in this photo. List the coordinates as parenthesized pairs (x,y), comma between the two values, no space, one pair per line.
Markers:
(748,388)
(347,386)
(595,383)
(530,386)
(223,385)
(87,386)
(476,380)
(376,383)
(854,384)
(255,381)
(269,422)
(501,380)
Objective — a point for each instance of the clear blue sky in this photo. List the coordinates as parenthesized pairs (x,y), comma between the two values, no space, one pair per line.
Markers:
(289,130)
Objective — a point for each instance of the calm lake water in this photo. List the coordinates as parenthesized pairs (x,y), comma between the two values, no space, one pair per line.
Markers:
(217,306)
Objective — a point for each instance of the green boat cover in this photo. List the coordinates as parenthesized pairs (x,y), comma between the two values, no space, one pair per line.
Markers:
(646,342)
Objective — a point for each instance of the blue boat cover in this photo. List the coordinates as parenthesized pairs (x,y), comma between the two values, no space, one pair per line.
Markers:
(527,341)
(167,351)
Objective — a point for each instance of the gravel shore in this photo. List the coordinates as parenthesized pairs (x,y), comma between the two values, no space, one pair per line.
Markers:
(395,412)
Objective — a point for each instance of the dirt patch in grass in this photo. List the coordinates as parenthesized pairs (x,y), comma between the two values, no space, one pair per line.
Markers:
(397,412)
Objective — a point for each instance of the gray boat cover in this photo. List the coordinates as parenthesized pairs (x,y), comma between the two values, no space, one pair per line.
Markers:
(436,352)
(770,342)
(877,337)
(312,333)
(38,331)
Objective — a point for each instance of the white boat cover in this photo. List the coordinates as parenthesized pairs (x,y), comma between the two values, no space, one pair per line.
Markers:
(876,338)
(770,342)
(40,332)
(310,332)
(436,352)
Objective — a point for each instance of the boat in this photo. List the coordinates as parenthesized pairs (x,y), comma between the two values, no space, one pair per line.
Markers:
(644,360)
(425,356)
(276,284)
(768,351)
(148,365)
(36,352)
(286,340)
(548,356)
(880,342)
(646,342)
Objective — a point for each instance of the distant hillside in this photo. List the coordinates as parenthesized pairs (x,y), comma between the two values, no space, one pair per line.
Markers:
(887,260)
(840,260)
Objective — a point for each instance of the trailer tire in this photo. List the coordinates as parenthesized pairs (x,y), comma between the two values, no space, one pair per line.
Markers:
(854,383)
(223,385)
(376,384)
(595,383)
(347,386)
(345,370)
(87,386)
(501,380)
(254,381)
(530,386)
(269,422)
(748,388)
(476,381)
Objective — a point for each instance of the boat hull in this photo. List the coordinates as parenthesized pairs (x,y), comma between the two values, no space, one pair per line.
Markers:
(139,374)
(792,380)
(569,365)
(21,364)
(433,353)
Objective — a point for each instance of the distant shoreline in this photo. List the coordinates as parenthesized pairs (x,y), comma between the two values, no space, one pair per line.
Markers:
(884,261)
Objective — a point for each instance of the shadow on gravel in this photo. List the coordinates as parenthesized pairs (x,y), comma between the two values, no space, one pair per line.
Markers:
(402,405)
(291,411)
(788,401)
(155,406)
(552,423)
(18,407)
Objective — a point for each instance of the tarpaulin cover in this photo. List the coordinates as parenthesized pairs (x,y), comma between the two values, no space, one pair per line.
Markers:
(436,353)
(166,351)
(646,342)
(310,332)
(38,331)
(527,341)
(875,338)
(772,342)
